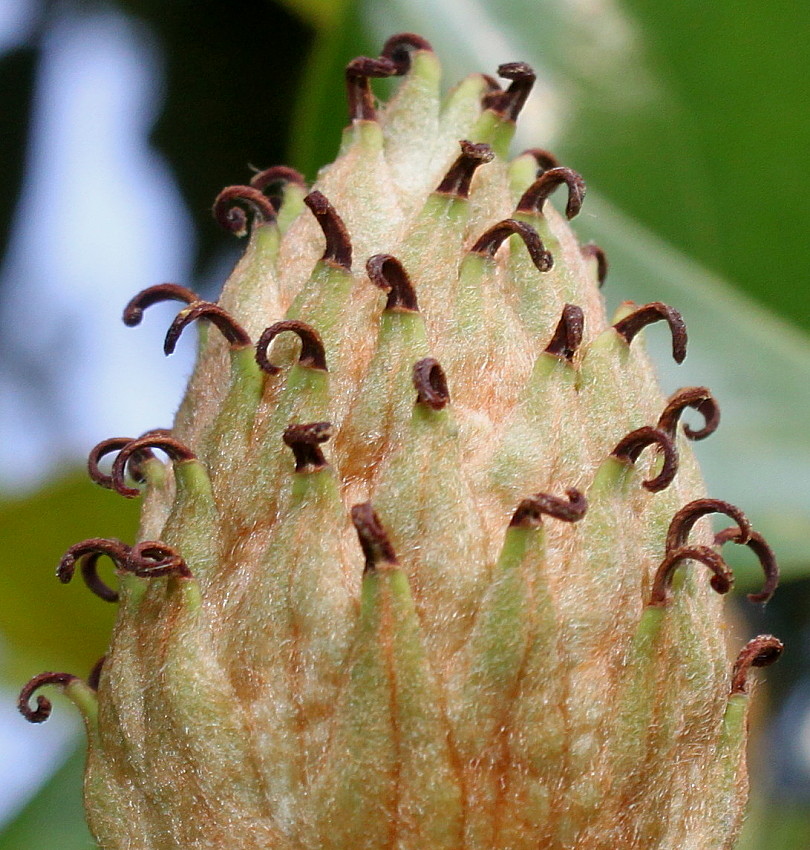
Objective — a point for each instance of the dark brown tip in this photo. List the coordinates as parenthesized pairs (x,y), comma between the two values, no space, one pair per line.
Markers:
(757,544)
(43,710)
(722,579)
(174,449)
(530,511)
(636,441)
(568,334)
(536,195)
(681,525)
(233,204)
(630,325)
(87,554)
(358,89)
(508,104)
(399,47)
(133,312)
(488,243)
(338,242)
(545,159)
(456,182)
(761,651)
(312,353)
(430,383)
(94,676)
(698,398)
(305,440)
(386,272)
(151,559)
(115,444)
(593,251)
(373,539)
(275,178)
(233,332)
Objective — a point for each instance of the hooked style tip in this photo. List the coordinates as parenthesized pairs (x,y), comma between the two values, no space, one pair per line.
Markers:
(358,89)
(275,178)
(530,511)
(537,194)
(568,334)
(338,242)
(681,525)
(593,251)
(152,559)
(233,332)
(698,398)
(636,441)
(400,47)
(456,182)
(490,241)
(373,538)
(722,578)
(173,448)
(233,204)
(305,442)
(508,104)
(761,651)
(133,312)
(767,559)
(656,311)
(386,272)
(430,383)
(44,707)
(312,355)
(87,554)
(545,159)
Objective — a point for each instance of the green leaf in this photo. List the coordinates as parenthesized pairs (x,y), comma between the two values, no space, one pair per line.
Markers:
(46,625)
(53,819)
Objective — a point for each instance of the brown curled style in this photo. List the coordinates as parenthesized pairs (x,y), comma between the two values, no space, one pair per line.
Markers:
(537,194)
(456,183)
(568,334)
(631,446)
(233,204)
(699,399)
(133,312)
(176,451)
(312,355)
(338,250)
(681,525)
(722,579)
(387,272)
(152,559)
(430,383)
(115,444)
(761,651)
(508,104)
(545,159)
(94,676)
(44,707)
(656,311)
(530,511)
(275,178)
(592,251)
(373,537)
(398,49)
(758,545)
(86,555)
(490,241)
(233,332)
(305,441)
(358,89)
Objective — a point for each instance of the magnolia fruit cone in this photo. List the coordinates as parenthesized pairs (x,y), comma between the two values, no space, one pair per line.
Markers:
(428,564)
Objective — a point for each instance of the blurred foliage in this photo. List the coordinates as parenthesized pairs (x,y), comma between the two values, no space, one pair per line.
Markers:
(696,130)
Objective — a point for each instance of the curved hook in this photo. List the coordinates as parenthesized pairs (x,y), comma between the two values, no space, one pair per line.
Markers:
(151,559)
(233,332)
(508,104)
(277,175)
(722,578)
(44,707)
(530,511)
(373,537)
(430,383)
(537,194)
(358,89)
(545,159)
(593,251)
(488,243)
(631,446)
(388,273)
(173,448)
(398,49)
(312,353)
(568,334)
(698,398)
(234,202)
(757,544)
(681,525)
(338,242)
(456,182)
(761,651)
(305,440)
(94,547)
(133,312)
(656,311)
